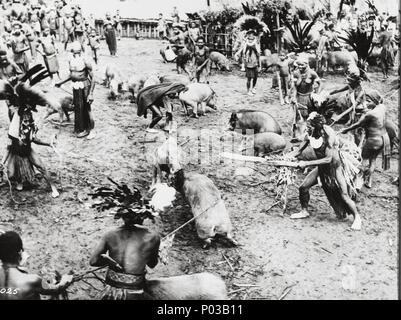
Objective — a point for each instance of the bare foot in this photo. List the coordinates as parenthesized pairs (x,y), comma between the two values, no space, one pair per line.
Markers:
(55,194)
(357,224)
(19,187)
(300,215)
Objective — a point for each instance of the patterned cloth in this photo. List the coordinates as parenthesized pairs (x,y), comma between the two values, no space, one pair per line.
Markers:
(82,108)
(122,286)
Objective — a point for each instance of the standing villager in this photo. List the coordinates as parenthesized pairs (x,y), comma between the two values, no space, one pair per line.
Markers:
(161,26)
(110,34)
(79,30)
(68,26)
(386,54)
(194,33)
(49,53)
(175,15)
(20,45)
(118,26)
(338,168)
(155,97)
(305,81)
(83,85)
(376,140)
(25,286)
(94,43)
(201,61)
(284,69)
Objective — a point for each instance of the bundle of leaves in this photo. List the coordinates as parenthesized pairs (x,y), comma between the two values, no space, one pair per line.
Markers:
(283,178)
(301,41)
(125,201)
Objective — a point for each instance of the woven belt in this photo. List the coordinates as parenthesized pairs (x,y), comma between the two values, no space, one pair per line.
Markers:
(125,281)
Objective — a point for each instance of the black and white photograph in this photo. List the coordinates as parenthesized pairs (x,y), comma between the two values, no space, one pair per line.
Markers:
(199,150)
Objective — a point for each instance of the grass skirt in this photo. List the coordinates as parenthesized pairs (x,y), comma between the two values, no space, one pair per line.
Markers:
(20,165)
(351,171)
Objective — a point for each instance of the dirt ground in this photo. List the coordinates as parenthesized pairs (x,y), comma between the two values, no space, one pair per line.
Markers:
(316,258)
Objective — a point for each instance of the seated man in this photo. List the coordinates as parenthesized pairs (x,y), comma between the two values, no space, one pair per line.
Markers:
(130,249)
(19,284)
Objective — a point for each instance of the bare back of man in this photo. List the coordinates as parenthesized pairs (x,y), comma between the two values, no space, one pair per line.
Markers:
(133,248)
(376,139)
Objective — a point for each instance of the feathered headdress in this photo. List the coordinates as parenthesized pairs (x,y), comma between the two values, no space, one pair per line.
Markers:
(22,94)
(250,23)
(362,43)
(128,202)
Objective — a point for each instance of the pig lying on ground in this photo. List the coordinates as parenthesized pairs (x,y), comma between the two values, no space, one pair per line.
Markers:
(198,95)
(264,143)
(258,121)
(207,206)
(198,286)
(219,60)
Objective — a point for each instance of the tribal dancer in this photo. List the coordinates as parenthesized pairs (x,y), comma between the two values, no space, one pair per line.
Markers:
(20,159)
(338,167)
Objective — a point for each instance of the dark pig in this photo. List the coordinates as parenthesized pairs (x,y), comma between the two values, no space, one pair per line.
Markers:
(259,121)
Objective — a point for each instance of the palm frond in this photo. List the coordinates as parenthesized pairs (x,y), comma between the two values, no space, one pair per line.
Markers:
(360,41)
(300,34)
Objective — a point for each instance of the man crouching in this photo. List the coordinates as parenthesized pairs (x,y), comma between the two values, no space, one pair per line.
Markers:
(130,249)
